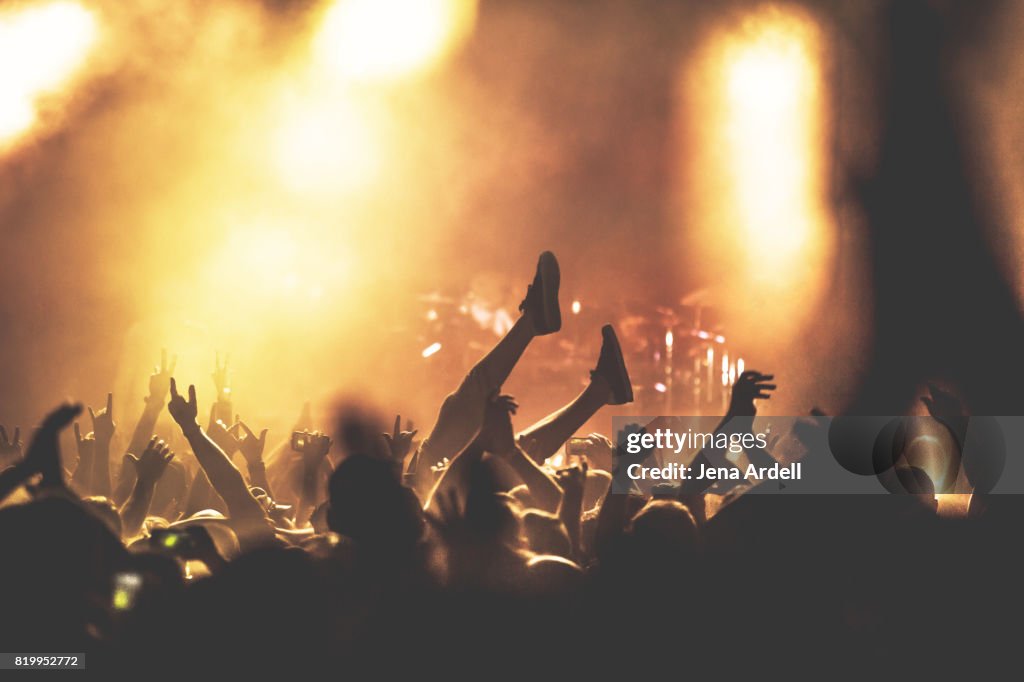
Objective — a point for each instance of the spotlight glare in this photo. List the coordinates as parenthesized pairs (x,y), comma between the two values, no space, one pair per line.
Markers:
(40,50)
(383,39)
(324,146)
(771,116)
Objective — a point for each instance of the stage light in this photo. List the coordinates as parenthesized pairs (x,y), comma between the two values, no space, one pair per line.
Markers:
(431,349)
(41,48)
(385,39)
(323,144)
(758,199)
(576,307)
(771,110)
(669,339)
(660,387)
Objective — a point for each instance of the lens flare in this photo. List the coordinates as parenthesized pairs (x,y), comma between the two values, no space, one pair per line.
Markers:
(41,48)
(384,39)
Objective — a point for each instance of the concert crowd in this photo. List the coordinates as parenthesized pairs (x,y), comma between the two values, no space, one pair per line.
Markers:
(468,552)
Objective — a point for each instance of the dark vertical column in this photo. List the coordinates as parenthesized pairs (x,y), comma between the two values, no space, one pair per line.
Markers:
(940,307)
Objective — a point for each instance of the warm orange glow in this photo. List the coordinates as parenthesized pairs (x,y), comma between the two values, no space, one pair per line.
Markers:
(771,127)
(756,205)
(324,144)
(41,48)
(381,39)
(953,504)
(293,181)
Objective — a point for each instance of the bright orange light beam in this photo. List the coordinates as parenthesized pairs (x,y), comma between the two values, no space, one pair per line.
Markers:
(41,48)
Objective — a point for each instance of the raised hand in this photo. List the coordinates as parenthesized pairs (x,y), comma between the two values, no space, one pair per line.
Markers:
(314,446)
(599,449)
(573,479)
(86,445)
(10,448)
(191,542)
(160,380)
(400,442)
(250,446)
(184,412)
(43,454)
(221,434)
(496,435)
(153,462)
(103,421)
(749,387)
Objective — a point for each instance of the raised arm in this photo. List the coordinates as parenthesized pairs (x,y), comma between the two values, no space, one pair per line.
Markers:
(81,479)
(572,481)
(399,444)
(103,427)
(278,461)
(13,470)
(42,457)
(153,405)
(750,386)
(246,514)
(149,467)
(252,448)
(314,448)
(496,436)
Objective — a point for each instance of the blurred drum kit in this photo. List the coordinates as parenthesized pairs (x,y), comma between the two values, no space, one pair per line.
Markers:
(678,356)
(680,359)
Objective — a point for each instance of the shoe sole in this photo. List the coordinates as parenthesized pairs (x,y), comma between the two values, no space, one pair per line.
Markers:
(622,387)
(550,279)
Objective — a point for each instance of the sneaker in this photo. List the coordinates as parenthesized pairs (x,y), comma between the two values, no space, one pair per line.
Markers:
(612,368)
(541,302)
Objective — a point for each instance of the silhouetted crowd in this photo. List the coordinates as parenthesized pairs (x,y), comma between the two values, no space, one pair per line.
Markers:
(468,553)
